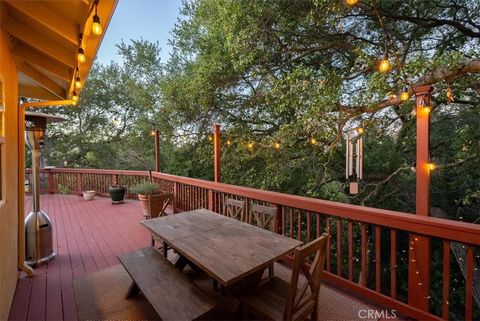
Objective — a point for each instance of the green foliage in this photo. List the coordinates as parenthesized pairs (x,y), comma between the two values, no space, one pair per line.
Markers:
(145,188)
(63,189)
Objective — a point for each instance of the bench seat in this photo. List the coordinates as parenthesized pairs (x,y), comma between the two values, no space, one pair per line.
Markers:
(172,294)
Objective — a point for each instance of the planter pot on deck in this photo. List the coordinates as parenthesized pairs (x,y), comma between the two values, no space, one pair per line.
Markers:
(117,193)
(152,205)
(88,195)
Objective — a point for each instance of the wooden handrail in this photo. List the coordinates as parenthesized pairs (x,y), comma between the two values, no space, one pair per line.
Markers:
(429,226)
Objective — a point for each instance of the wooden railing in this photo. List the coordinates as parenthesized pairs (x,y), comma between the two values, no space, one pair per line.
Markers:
(370,248)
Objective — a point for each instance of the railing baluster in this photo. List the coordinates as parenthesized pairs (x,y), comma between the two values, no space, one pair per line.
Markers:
(393,264)
(378,252)
(318,224)
(308,225)
(339,247)
(350,250)
(299,225)
(329,245)
(290,214)
(469,284)
(283,220)
(364,254)
(446,279)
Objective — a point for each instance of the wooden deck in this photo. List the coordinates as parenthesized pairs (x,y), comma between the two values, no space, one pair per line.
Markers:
(88,236)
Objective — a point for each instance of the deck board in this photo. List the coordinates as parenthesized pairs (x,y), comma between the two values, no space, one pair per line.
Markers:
(87,236)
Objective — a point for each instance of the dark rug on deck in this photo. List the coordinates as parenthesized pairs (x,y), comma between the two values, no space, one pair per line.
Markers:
(100,296)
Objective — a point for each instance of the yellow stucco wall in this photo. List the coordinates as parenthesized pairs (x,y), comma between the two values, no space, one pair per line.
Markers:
(9,204)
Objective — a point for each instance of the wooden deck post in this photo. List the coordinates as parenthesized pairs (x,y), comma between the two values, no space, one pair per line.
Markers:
(217,152)
(157,150)
(419,247)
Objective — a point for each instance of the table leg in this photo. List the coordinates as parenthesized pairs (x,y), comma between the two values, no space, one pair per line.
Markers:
(165,249)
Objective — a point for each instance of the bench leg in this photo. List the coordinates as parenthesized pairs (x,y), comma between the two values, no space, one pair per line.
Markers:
(133,291)
(181,263)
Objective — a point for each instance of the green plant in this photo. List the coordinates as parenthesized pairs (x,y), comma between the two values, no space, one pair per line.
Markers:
(63,189)
(145,188)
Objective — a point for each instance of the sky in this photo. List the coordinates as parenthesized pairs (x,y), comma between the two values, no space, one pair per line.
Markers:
(134,19)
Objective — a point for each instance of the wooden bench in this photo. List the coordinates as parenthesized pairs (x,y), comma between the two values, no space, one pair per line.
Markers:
(169,290)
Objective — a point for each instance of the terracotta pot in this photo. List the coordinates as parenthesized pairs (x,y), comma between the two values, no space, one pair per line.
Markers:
(156,204)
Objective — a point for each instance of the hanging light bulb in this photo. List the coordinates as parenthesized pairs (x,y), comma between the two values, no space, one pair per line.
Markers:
(351,2)
(152,132)
(384,65)
(450,97)
(74,97)
(78,83)
(360,130)
(210,137)
(313,141)
(431,166)
(405,95)
(250,145)
(277,145)
(229,142)
(425,106)
(96,26)
(81,55)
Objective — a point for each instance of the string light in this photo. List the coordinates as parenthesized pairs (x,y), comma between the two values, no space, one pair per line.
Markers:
(250,145)
(152,132)
(96,26)
(405,95)
(384,65)
(210,137)
(277,145)
(229,142)
(78,83)
(425,106)
(360,130)
(431,166)
(81,55)
(313,140)
(74,97)
(450,97)
(351,3)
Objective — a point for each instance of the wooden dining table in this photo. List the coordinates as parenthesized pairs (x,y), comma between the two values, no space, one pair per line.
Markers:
(226,249)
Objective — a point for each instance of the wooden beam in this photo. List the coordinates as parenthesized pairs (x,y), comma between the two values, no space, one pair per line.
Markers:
(35,92)
(43,15)
(35,57)
(39,41)
(43,80)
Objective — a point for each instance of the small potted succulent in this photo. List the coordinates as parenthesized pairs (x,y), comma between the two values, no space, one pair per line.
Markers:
(150,197)
(117,193)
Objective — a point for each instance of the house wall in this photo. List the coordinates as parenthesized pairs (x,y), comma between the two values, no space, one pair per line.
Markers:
(9,179)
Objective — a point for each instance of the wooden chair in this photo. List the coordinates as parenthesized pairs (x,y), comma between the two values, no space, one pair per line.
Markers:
(264,217)
(279,300)
(234,209)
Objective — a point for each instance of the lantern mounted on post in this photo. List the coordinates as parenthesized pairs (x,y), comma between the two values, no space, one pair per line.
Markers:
(354,159)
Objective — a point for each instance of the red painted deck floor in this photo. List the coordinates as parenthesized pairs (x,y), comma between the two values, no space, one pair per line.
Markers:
(87,237)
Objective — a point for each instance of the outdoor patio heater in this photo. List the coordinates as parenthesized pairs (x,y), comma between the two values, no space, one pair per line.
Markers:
(38,227)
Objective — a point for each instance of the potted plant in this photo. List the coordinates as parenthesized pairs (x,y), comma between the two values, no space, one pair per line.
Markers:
(117,193)
(150,198)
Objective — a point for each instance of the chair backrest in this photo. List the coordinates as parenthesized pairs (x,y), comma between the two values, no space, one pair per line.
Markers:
(157,204)
(234,208)
(264,216)
(305,299)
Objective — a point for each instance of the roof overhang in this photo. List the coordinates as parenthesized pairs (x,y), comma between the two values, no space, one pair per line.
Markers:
(44,37)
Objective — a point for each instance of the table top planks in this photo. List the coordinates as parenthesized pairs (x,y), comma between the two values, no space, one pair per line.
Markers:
(226,249)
